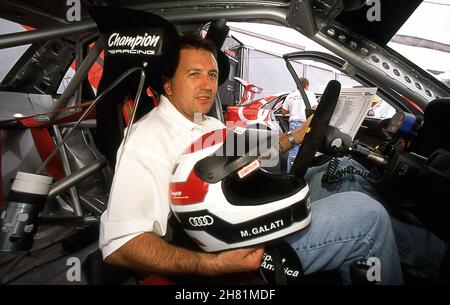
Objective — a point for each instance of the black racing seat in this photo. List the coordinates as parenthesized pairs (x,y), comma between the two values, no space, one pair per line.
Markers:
(110,119)
(430,191)
(111,122)
(435,131)
(121,30)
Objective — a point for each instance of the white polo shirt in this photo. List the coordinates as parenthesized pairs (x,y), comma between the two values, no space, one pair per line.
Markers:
(139,197)
(295,105)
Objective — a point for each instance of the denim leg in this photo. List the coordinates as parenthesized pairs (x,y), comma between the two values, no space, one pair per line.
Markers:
(421,252)
(347,183)
(347,226)
(291,157)
(293,152)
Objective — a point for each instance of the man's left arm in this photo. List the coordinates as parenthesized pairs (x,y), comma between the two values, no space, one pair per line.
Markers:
(298,135)
(284,111)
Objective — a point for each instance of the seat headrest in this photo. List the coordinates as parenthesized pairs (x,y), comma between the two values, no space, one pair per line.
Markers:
(435,131)
(217,33)
(132,37)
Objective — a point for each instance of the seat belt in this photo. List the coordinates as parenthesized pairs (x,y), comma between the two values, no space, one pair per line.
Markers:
(127,107)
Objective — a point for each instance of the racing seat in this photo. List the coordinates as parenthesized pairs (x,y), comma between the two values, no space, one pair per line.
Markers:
(433,142)
(435,131)
(160,54)
(430,188)
(114,111)
(111,120)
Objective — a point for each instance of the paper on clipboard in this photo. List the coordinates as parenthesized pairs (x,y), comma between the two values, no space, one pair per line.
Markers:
(352,108)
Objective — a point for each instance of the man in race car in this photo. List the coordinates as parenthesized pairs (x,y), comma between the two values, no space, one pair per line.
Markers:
(345,225)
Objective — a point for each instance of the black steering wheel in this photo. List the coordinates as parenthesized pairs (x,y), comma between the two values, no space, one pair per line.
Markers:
(317,129)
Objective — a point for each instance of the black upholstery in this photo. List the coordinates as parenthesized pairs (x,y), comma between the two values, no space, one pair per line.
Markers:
(217,33)
(430,190)
(435,131)
(128,22)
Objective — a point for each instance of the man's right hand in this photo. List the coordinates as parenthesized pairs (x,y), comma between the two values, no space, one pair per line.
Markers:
(151,253)
(238,260)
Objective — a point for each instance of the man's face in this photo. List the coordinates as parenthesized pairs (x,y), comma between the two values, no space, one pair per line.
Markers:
(193,88)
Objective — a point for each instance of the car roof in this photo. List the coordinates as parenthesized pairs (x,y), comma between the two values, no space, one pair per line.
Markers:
(324,21)
(40,14)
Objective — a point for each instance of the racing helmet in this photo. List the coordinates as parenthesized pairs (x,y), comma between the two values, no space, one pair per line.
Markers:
(224,199)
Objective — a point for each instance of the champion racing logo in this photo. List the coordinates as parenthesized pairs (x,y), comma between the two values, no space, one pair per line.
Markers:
(145,42)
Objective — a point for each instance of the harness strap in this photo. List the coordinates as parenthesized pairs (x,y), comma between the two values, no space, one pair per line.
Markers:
(127,109)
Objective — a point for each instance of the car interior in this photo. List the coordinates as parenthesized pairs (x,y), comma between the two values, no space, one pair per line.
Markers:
(74,135)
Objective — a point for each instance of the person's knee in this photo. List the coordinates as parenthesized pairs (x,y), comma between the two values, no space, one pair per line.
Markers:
(375,212)
(360,207)
(351,213)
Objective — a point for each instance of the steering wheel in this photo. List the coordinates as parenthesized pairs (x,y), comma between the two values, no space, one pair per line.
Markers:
(317,129)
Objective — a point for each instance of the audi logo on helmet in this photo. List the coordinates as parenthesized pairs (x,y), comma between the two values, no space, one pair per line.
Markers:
(201,221)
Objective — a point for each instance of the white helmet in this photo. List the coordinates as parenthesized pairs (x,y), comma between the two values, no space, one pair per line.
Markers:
(225,200)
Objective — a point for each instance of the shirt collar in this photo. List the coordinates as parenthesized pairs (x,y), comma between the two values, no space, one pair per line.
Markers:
(172,113)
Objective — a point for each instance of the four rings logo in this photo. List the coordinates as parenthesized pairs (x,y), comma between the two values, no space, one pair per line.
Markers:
(201,221)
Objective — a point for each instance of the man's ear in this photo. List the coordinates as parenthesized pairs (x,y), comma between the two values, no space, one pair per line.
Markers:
(167,87)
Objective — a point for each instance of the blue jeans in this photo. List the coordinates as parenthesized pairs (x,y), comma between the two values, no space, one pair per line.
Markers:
(348,183)
(348,223)
(293,152)
(345,227)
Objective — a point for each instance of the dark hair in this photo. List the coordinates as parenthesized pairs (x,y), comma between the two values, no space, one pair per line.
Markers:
(196,42)
(304,82)
(190,42)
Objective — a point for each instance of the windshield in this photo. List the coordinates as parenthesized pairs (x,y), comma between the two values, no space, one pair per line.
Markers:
(425,39)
